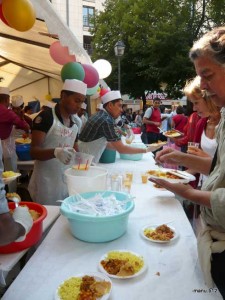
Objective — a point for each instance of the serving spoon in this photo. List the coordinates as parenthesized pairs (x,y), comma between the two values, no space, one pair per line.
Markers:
(14,197)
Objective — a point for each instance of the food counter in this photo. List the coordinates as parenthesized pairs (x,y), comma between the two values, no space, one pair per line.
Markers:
(173,270)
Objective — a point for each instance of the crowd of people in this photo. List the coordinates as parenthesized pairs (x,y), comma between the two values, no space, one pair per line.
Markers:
(58,132)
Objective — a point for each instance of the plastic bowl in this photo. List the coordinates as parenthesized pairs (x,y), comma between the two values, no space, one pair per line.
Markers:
(82,161)
(34,234)
(97,229)
(23,151)
(108,156)
(82,181)
(137,156)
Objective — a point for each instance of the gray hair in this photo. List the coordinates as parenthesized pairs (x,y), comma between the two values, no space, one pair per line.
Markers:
(211,44)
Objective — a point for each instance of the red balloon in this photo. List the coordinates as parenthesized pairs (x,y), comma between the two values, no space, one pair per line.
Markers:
(91,76)
(103,92)
(2,16)
(61,54)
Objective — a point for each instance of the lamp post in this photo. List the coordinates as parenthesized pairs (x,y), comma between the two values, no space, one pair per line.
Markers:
(119,51)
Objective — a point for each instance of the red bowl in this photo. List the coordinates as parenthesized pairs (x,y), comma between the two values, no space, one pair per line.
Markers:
(34,234)
(136,130)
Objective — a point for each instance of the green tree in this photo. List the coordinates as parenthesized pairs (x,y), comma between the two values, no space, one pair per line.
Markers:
(158,35)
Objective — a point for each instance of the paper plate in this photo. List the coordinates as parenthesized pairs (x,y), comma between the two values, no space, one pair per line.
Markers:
(23,141)
(172,133)
(166,174)
(153,227)
(96,275)
(158,144)
(141,271)
(11,178)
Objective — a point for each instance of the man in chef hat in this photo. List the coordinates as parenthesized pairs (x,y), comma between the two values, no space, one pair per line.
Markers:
(53,144)
(101,131)
(9,119)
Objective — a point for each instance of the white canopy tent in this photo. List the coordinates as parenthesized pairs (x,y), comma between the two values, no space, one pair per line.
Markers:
(26,66)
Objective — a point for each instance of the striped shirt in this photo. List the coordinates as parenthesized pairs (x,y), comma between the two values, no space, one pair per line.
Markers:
(100,125)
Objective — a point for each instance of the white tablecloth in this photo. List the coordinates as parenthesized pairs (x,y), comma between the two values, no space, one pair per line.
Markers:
(61,255)
(8,261)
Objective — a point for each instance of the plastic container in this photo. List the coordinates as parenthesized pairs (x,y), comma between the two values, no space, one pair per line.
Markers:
(23,151)
(98,229)
(81,181)
(108,156)
(137,156)
(34,234)
(136,130)
(82,161)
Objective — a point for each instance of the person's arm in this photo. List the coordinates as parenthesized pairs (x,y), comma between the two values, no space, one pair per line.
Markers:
(37,151)
(9,229)
(124,149)
(199,164)
(186,191)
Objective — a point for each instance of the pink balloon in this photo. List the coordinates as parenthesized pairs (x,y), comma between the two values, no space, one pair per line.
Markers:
(91,76)
(61,54)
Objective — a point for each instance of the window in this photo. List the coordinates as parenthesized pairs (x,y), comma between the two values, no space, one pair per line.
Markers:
(88,13)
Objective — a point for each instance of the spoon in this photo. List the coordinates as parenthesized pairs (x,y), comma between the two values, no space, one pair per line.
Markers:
(14,197)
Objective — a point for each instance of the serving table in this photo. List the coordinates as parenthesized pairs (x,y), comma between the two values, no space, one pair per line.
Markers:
(8,261)
(173,270)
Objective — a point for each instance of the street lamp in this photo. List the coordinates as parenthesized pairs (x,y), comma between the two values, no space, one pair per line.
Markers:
(119,51)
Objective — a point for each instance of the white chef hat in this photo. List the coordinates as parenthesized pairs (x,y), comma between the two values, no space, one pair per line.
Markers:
(17,100)
(4,90)
(75,85)
(100,106)
(110,96)
(84,105)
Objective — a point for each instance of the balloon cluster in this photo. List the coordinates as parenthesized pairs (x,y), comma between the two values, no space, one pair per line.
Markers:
(18,14)
(89,74)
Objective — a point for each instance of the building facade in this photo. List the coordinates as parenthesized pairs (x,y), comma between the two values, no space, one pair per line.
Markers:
(77,15)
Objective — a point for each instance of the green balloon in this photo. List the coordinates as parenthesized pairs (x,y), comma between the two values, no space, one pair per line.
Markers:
(93,90)
(72,70)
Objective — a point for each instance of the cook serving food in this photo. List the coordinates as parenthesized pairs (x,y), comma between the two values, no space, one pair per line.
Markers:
(12,227)
(54,143)
(101,131)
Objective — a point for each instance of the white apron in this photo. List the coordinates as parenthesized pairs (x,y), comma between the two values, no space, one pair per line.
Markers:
(10,159)
(94,148)
(47,183)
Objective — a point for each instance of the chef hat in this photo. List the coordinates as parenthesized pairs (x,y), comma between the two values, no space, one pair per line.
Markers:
(100,106)
(110,96)
(75,85)
(84,105)
(17,100)
(4,90)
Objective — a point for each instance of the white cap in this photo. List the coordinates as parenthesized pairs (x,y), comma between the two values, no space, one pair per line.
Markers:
(100,106)
(84,105)
(75,85)
(110,96)
(17,100)
(4,90)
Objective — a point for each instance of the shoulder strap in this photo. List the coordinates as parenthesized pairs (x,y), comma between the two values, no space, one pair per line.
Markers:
(214,161)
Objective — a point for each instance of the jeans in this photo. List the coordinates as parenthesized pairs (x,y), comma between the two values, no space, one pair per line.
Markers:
(218,271)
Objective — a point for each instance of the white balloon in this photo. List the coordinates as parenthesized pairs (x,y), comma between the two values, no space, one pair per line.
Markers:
(103,67)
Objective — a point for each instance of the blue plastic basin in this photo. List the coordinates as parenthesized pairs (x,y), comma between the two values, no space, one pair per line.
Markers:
(97,229)
(23,152)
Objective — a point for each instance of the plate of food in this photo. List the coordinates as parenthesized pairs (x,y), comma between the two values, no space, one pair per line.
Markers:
(159,233)
(159,143)
(95,285)
(122,264)
(23,141)
(173,133)
(9,176)
(170,175)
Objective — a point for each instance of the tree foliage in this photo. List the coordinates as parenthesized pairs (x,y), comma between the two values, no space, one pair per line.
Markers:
(158,35)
